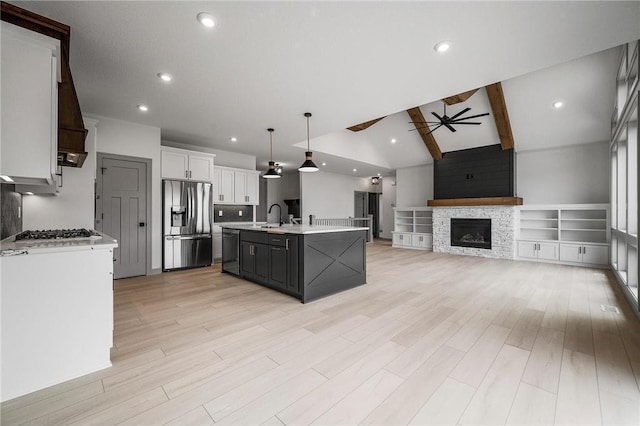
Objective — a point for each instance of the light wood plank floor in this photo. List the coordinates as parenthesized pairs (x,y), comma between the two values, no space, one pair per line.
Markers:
(431,339)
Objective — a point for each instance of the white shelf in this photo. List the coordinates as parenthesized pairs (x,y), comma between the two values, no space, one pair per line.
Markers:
(416,224)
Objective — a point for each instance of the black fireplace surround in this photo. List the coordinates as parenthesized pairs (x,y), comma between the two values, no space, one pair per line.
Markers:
(474,233)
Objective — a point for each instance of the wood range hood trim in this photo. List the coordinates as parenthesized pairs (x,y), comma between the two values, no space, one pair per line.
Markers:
(71,130)
(468,202)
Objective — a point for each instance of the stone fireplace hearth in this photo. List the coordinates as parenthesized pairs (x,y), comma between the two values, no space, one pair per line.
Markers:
(502,232)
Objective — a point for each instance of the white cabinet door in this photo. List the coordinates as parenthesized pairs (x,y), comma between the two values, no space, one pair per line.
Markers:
(527,249)
(252,189)
(217,245)
(597,255)
(174,165)
(201,167)
(548,251)
(570,253)
(29,93)
(401,240)
(240,187)
(423,241)
(226,187)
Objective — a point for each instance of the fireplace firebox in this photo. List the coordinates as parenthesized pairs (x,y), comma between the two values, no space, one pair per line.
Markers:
(471,233)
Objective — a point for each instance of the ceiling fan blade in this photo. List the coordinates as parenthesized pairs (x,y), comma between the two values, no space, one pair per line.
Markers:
(472,116)
(460,113)
(424,122)
(424,127)
(449,127)
(467,122)
(438,117)
(435,128)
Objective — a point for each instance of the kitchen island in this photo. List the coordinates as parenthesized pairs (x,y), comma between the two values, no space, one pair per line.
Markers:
(304,261)
(57,310)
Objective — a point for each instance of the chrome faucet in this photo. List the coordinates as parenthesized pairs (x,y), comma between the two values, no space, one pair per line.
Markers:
(279,212)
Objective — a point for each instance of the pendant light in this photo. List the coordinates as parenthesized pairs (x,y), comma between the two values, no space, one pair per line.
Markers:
(308,165)
(271,173)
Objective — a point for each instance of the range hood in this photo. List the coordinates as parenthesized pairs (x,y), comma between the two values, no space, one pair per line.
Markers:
(71,130)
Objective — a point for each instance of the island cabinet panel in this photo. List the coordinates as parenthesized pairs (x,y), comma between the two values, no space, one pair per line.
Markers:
(304,265)
(332,262)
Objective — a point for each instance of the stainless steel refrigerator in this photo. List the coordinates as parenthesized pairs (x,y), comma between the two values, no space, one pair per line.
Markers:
(186,219)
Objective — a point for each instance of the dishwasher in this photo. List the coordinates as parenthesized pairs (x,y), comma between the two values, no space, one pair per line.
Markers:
(231,251)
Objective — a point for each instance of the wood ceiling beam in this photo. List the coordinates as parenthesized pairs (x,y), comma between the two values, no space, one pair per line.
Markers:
(427,138)
(364,125)
(460,97)
(500,115)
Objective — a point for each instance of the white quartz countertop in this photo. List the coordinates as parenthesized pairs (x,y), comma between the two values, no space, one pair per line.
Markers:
(295,229)
(10,247)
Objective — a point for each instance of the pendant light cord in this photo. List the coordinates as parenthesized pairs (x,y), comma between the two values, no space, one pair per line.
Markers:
(271,146)
(308,146)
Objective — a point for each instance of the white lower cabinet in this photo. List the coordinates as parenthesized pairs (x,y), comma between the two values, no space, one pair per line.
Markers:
(423,241)
(538,250)
(401,239)
(413,240)
(217,245)
(584,253)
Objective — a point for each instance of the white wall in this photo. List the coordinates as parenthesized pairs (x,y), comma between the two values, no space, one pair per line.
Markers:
(135,140)
(330,195)
(387,203)
(575,174)
(73,207)
(414,186)
(223,158)
(278,190)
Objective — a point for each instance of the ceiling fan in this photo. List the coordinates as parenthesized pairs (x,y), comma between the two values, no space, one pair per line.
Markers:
(447,121)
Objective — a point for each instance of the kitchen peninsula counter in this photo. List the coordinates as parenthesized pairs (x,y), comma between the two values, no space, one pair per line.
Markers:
(304,261)
(56,311)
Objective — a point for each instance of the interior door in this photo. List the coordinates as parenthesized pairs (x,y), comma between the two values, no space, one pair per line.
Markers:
(122,190)
(360,207)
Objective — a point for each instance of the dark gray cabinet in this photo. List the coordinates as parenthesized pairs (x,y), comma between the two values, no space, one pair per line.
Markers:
(283,263)
(270,259)
(254,257)
(306,266)
(255,261)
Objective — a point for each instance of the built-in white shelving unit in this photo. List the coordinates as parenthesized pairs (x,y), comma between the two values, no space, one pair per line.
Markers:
(570,233)
(413,227)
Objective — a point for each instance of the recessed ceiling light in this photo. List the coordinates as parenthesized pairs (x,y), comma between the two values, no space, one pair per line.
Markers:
(206,20)
(324,164)
(379,174)
(393,140)
(355,170)
(558,104)
(442,47)
(165,77)
(234,139)
(28,193)
(143,108)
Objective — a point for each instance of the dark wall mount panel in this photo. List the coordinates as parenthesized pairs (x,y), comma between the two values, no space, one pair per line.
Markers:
(486,171)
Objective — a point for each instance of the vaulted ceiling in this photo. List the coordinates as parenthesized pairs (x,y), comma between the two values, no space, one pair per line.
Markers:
(266,63)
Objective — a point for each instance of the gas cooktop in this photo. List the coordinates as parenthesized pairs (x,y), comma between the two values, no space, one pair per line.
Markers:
(57,234)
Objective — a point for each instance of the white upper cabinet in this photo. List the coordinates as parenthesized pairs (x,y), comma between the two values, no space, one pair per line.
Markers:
(187,165)
(30,76)
(201,167)
(223,186)
(236,186)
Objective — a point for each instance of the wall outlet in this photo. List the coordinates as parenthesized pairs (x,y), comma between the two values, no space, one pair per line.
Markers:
(240,213)
(220,213)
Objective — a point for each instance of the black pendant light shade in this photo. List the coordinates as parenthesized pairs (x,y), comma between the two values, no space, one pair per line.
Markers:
(308,165)
(271,173)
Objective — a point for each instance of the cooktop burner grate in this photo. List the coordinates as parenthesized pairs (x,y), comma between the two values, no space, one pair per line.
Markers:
(56,234)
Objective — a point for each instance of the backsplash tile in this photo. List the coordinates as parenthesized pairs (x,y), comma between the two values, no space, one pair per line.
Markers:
(232,213)
(10,216)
